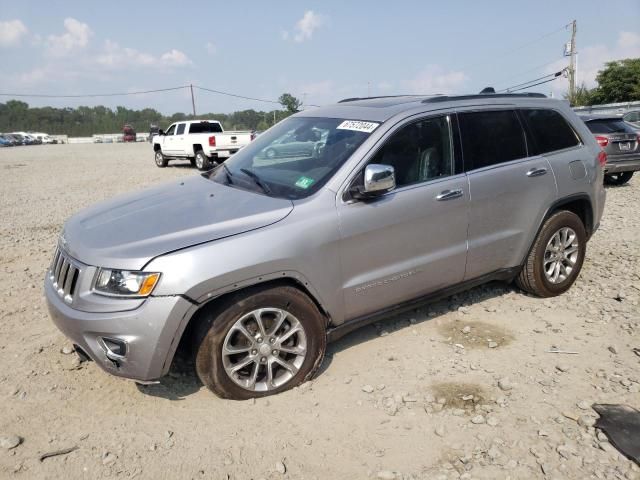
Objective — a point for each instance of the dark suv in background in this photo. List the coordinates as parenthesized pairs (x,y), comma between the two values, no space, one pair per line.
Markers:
(621,142)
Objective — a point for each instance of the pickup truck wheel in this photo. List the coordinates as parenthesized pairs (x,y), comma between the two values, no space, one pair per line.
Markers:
(555,259)
(619,178)
(260,343)
(161,160)
(202,161)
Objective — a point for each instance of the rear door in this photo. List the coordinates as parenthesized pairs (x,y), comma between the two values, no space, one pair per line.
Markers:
(509,190)
(413,240)
(180,140)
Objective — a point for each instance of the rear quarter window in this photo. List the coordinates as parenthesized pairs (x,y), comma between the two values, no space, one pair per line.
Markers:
(491,137)
(550,130)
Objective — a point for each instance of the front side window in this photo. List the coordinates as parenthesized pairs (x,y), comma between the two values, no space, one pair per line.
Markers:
(171,130)
(491,137)
(419,152)
(550,130)
(295,157)
(180,129)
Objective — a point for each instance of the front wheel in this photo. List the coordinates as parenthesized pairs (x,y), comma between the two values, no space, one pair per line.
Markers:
(161,160)
(555,259)
(619,178)
(259,343)
(202,161)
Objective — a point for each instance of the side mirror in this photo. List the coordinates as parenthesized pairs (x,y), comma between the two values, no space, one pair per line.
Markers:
(378,179)
(160,132)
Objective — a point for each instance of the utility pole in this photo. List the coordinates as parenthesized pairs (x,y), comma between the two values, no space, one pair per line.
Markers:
(193,102)
(572,62)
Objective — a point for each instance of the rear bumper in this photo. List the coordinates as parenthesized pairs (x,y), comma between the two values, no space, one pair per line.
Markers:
(629,163)
(148,331)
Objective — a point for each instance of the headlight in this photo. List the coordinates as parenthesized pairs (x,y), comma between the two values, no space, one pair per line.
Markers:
(125,283)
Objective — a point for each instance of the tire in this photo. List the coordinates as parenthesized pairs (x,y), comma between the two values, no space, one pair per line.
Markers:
(202,161)
(217,330)
(533,278)
(161,160)
(619,178)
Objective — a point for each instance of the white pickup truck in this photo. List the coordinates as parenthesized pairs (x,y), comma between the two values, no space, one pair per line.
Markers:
(204,142)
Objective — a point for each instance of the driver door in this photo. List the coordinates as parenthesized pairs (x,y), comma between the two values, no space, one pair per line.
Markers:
(168,141)
(413,240)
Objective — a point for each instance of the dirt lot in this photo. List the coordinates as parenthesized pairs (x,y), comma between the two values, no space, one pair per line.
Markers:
(418,396)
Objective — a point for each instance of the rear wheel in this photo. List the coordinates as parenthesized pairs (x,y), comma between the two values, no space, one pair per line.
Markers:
(161,160)
(619,178)
(555,259)
(259,343)
(202,161)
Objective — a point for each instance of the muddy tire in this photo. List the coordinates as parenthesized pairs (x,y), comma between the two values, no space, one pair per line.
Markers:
(555,259)
(259,342)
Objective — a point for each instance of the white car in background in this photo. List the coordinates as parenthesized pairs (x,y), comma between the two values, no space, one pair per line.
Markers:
(203,142)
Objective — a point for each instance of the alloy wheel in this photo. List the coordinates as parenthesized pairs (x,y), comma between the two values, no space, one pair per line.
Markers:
(561,255)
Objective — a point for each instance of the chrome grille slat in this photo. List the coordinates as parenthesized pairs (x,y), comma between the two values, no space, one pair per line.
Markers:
(64,275)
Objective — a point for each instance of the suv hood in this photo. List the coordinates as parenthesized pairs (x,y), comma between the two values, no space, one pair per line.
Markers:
(128,231)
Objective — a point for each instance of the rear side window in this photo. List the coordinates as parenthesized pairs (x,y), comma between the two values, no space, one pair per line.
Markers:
(205,127)
(180,129)
(491,137)
(609,126)
(550,130)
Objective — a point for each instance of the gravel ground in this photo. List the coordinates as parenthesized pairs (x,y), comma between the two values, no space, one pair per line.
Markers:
(462,389)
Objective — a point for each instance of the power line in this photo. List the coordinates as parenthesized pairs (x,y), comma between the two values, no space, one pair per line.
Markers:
(524,45)
(555,77)
(520,74)
(554,74)
(91,95)
(235,95)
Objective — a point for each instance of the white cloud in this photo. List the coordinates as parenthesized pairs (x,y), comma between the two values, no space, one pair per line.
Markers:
(11,32)
(591,59)
(305,27)
(175,58)
(434,79)
(75,37)
(116,57)
(212,48)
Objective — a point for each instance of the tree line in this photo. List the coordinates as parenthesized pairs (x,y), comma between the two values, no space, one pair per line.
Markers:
(85,121)
(619,81)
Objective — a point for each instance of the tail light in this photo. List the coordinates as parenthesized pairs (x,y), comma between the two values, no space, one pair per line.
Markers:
(212,141)
(602,158)
(602,141)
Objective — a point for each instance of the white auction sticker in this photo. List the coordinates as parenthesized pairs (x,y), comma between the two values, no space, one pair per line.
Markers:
(358,126)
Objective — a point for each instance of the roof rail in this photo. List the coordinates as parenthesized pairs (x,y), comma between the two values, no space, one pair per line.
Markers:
(445,98)
(354,99)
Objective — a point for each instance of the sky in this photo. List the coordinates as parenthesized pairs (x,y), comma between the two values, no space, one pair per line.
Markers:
(318,51)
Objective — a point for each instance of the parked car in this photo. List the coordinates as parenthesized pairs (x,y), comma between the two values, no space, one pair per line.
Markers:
(128,134)
(203,142)
(261,262)
(5,142)
(293,145)
(621,144)
(633,117)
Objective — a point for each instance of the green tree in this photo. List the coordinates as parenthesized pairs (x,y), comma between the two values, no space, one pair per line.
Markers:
(619,81)
(290,103)
(583,96)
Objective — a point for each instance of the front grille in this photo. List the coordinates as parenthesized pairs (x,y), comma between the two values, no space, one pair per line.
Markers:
(64,275)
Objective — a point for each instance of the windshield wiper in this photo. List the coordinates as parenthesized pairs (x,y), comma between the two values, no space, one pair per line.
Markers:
(256,179)
(228,173)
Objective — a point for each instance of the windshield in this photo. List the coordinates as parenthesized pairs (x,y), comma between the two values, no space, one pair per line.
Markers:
(294,158)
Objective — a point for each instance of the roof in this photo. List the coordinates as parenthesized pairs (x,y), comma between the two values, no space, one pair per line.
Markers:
(380,109)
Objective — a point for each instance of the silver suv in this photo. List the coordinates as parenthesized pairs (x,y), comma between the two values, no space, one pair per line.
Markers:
(384,203)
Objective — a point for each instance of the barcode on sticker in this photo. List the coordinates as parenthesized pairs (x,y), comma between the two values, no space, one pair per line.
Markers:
(358,126)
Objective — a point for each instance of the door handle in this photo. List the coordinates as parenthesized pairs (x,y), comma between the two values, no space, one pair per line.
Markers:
(449,195)
(536,172)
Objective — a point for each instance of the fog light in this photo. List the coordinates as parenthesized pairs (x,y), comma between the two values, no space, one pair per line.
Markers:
(114,349)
